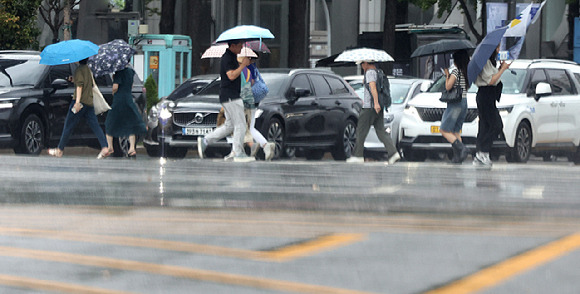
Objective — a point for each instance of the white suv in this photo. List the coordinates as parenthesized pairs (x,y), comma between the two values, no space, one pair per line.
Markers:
(539,106)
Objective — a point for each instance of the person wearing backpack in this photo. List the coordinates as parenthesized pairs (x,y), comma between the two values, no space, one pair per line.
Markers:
(377,98)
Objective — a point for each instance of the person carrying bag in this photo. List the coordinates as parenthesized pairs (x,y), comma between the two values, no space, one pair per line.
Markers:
(455,95)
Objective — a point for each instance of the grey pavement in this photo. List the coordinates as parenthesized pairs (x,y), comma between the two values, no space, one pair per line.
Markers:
(432,187)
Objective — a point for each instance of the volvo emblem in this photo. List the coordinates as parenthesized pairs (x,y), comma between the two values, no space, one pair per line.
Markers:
(198,118)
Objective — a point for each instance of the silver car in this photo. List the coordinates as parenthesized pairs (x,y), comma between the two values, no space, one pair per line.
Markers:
(403,89)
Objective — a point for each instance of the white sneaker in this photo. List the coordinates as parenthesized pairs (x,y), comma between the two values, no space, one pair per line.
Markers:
(396,157)
(482,159)
(243,158)
(269,151)
(230,157)
(355,159)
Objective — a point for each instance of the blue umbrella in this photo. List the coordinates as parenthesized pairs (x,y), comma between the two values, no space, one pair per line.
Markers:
(246,33)
(68,52)
(483,52)
(113,56)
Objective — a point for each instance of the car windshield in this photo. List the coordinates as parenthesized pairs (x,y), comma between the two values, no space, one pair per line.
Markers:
(512,80)
(399,92)
(26,73)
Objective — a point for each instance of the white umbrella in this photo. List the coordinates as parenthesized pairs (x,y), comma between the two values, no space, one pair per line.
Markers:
(216,51)
(364,54)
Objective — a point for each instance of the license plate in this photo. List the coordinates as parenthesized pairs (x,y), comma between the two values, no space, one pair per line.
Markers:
(196,131)
(435,129)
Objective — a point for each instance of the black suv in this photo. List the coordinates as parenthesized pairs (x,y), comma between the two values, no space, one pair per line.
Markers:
(309,110)
(34,101)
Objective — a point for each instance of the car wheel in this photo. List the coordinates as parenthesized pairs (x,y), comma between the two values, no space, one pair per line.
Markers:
(121,146)
(345,145)
(412,155)
(522,146)
(276,134)
(575,157)
(31,136)
(315,154)
(152,150)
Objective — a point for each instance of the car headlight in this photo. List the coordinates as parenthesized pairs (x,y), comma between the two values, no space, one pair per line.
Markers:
(8,103)
(258,113)
(412,111)
(165,113)
(389,118)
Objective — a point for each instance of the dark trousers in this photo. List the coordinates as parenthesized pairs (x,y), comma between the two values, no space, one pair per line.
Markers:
(490,124)
(369,117)
(72,119)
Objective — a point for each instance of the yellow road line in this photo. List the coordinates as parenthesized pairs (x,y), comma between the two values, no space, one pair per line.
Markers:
(281,254)
(504,270)
(43,285)
(168,270)
(313,246)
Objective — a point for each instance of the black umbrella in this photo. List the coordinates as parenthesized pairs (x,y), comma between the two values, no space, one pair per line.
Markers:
(442,46)
(329,62)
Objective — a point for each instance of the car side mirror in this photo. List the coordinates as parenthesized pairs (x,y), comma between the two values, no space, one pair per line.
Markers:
(425,86)
(300,92)
(297,93)
(542,89)
(59,84)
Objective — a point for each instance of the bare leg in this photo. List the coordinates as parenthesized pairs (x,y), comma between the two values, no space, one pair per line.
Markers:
(132,145)
(450,137)
(110,142)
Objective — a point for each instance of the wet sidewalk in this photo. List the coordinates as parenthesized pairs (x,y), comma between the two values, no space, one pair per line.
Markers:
(431,187)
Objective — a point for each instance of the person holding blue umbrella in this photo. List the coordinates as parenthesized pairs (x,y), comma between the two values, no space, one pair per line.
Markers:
(490,87)
(82,103)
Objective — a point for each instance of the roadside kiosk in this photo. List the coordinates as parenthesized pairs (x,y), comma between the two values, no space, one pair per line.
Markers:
(167,58)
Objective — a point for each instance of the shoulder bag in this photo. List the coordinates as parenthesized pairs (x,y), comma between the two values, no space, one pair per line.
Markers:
(259,88)
(99,102)
(454,95)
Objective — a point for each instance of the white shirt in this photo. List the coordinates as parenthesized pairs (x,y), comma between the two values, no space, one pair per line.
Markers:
(484,78)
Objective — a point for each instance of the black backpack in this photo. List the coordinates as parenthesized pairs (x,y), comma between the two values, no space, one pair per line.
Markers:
(383,89)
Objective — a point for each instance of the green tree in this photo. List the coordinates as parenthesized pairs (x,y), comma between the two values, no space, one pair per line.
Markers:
(151,92)
(18,29)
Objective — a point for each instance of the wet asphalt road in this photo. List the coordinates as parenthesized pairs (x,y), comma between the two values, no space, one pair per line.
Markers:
(81,225)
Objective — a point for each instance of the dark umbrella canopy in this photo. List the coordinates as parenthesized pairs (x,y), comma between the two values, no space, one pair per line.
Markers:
(483,52)
(329,62)
(113,56)
(442,46)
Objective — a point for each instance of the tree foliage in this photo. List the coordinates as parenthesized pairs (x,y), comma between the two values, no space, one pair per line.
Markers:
(18,29)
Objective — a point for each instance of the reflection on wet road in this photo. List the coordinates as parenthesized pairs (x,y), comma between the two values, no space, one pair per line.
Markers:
(80,225)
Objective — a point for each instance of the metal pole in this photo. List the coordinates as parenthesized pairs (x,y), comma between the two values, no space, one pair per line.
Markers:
(328,30)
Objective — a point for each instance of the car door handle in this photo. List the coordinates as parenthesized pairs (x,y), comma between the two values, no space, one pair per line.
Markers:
(554,104)
(313,103)
(337,102)
(562,104)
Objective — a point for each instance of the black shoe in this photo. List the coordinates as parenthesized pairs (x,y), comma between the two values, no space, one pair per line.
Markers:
(460,152)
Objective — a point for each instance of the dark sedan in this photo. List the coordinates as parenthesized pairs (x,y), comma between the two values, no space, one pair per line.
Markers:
(306,109)
(34,102)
